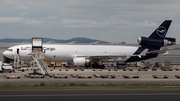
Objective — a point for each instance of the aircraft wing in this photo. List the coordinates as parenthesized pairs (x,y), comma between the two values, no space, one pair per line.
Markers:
(143,53)
(158,52)
(103,56)
(162,51)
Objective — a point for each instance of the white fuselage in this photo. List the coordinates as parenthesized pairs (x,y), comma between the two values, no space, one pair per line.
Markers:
(66,53)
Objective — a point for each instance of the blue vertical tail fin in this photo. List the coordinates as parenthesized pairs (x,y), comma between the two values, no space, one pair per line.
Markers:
(161,31)
(158,37)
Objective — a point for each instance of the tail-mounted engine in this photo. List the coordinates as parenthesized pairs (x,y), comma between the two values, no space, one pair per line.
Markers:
(162,42)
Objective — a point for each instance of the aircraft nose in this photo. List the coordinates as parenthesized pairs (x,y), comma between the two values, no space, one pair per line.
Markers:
(8,54)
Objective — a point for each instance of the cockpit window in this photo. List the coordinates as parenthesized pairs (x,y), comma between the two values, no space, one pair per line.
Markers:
(10,49)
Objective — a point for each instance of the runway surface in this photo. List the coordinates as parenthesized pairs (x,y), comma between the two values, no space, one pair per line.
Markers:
(168,94)
(87,94)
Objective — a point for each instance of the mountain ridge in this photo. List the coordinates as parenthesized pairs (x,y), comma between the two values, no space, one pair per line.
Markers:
(45,40)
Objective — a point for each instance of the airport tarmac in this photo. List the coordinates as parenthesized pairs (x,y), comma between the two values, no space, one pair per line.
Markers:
(144,77)
(93,94)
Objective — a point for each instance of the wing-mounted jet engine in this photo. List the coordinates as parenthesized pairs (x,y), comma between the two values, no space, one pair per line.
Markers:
(81,61)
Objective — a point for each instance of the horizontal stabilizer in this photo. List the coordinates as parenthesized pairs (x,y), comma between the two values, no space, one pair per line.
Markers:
(158,52)
(143,53)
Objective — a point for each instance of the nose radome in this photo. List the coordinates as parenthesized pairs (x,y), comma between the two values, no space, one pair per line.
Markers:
(4,53)
(7,54)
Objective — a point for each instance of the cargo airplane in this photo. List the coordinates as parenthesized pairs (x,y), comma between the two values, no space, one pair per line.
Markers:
(81,55)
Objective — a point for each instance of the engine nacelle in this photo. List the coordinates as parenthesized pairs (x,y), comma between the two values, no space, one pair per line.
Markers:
(81,61)
(154,42)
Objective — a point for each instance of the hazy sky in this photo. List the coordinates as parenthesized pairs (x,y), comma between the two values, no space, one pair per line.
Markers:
(108,20)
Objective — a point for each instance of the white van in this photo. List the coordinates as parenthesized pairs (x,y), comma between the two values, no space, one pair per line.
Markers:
(5,67)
